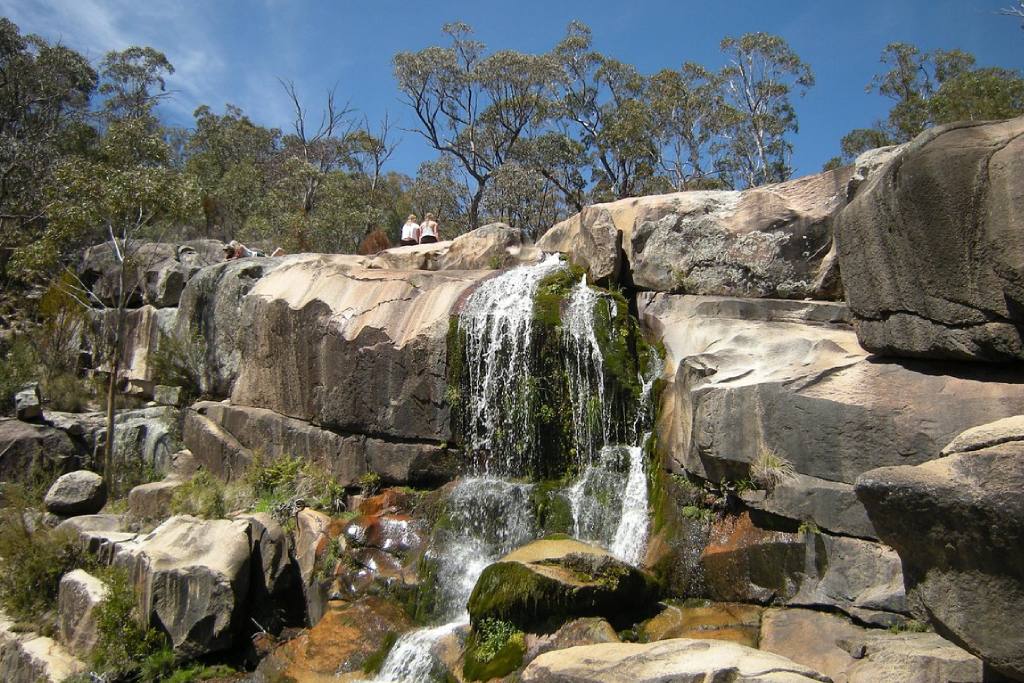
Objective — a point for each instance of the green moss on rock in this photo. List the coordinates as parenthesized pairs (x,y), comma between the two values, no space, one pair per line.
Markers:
(494,649)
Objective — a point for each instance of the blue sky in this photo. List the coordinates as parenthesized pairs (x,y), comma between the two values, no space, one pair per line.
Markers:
(235,50)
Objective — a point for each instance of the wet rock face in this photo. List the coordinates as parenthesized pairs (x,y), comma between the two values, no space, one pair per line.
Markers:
(930,248)
(684,660)
(957,524)
(769,241)
(77,493)
(548,582)
(342,642)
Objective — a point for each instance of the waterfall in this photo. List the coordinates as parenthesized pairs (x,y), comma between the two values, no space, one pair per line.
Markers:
(487,514)
(488,519)
(591,416)
(496,323)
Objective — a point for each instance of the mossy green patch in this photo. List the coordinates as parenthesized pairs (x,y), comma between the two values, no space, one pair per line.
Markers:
(494,649)
(373,663)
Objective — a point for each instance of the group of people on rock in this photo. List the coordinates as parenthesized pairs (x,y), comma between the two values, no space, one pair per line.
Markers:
(426,232)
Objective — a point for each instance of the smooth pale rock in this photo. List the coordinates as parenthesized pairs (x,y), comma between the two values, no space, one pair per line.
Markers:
(679,661)
(28,406)
(850,654)
(750,377)
(958,526)
(984,436)
(29,451)
(79,595)
(213,447)
(312,535)
(358,351)
(869,163)
(548,582)
(587,631)
(211,306)
(773,240)
(27,657)
(101,522)
(194,577)
(153,500)
(346,457)
(77,493)
(931,249)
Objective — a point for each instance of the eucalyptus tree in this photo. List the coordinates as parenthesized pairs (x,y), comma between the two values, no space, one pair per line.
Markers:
(931,88)
(602,105)
(756,83)
(687,104)
(133,81)
(472,107)
(44,105)
(232,160)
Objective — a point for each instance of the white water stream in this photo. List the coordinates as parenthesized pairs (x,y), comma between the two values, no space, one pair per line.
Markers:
(490,516)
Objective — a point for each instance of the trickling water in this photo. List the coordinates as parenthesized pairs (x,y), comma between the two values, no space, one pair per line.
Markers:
(496,323)
(591,416)
(488,516)
(488,519)
(631,535)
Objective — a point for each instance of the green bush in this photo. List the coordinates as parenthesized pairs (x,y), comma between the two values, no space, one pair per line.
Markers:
(67,392)
(32,561)
(277,485)
(19,365)
(494,649)
(179,361)
(124,640)
(202,496)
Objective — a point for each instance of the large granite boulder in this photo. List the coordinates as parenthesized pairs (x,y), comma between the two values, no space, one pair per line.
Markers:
(748,563)
(194,577)
(680,660)
(155,274)
(549,582)
(931,248)
(774,240)
(79,595)
(848,653)
(360,351)
(76,493)
(29,452)
(210,310)
(958,526)
(27,657)
(345,456)
(784,386)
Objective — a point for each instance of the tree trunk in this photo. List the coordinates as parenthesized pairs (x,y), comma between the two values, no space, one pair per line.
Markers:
(474,207)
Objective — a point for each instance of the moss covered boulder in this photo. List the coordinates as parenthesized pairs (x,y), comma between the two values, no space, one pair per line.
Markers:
(549,582)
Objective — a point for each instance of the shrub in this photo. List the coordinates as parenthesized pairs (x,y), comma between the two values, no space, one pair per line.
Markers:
(202,496)
(277,485)
(67,392)
(369,483)
(124,640)
(770,469)
(179,361)
(19,366)
(495,649)
(32,561)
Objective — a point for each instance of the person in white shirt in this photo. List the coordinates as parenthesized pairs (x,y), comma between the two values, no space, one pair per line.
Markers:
(429,232)
(410,231)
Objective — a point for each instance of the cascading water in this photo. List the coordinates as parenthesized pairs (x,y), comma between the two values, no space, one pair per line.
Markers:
(496,323)
(488,516)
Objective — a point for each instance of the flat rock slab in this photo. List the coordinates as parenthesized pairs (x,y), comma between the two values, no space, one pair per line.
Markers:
(850,654)
(679,661)
(79,595)
(27,657)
